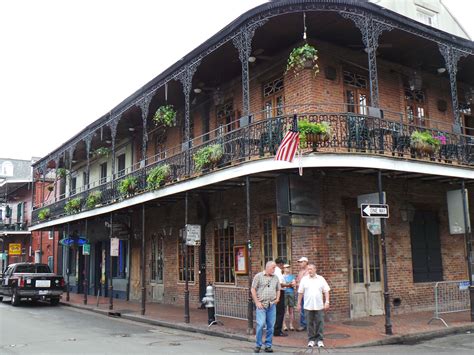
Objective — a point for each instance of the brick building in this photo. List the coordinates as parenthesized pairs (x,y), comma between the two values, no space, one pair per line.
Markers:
(383,79)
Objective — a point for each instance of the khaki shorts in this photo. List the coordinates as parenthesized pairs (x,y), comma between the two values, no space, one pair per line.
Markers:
(290,299)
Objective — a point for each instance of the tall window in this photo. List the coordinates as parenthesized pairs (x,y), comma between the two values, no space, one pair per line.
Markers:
(121,165)
(182,269)
(275,240)
(224,252)
(73,185)
(273,97)
(415,103)
(119,265)
(157,259)
(356,93)
(225,116)
(103,173)
(426,248)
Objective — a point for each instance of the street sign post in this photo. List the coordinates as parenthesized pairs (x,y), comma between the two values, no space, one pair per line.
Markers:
(86,249)
(374,211)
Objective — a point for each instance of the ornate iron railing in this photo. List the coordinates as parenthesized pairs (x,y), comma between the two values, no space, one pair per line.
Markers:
(350,133)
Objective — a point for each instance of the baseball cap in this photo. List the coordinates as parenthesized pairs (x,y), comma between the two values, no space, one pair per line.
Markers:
(303,258)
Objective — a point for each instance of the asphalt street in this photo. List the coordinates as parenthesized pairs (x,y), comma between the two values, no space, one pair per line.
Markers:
(42,329)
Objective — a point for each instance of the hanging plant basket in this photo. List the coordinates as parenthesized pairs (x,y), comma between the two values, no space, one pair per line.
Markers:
(158,176)
(165,115)
(94,199)
(101,152)
(50,188)
(313,133)
(424,142)
(208,156)
(45,213)
(304,57)
(73,206)
(128,186)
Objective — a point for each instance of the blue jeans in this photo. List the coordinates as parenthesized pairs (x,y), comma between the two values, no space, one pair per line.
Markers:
(302,318)
(265,316)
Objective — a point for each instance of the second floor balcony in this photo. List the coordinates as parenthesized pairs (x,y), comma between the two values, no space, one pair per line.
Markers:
(365,131)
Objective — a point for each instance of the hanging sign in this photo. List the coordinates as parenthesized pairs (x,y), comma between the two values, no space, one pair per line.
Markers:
(193,234)
(86,249)
(14,249)
(114,246)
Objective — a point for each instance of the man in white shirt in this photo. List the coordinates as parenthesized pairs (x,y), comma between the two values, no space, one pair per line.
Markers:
(312,287)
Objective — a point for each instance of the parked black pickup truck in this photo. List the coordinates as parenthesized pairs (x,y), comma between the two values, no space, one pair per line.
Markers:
(32,281)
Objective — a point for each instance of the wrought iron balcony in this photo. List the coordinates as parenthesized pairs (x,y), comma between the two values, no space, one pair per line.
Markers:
(13,225)
(350,133)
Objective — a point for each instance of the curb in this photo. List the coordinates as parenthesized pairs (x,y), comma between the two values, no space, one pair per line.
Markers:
(389,340)
(161,323)
(414,338)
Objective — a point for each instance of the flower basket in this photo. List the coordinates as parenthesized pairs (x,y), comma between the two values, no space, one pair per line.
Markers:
(158,176)
(165,115)
(313,133)
(208,156)
(128,186)
(304,57)
(424,143)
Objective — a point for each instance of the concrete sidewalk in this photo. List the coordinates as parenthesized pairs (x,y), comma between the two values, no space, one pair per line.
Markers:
(367,331)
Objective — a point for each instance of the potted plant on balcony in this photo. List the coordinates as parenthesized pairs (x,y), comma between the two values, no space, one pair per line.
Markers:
(43,214)
(50,188)
(101,152)
(208,156)
(128,186)
(303,57)
(311,132)
(165,115)
(61,173)
(94,199)
(424,142)
(158,176)
(73,206)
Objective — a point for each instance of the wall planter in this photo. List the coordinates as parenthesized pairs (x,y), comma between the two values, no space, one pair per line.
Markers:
(94,199)
(165,115)
(73,206)
(158,176)
(304,57)
(208,156)
(128,186)
(43,214)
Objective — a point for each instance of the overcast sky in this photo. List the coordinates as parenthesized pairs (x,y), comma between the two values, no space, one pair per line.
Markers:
(65,63)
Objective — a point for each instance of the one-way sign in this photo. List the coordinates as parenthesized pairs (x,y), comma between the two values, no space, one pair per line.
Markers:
(374,211)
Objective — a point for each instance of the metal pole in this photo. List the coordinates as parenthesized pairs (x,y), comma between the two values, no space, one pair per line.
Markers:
(468,239)
(67,265)
(142,281)
(249,247)
(186,285)
(386,294)
(111,286)
(86,269)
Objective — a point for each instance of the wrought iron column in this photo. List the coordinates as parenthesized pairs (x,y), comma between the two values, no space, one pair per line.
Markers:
(186,278)
(67,264)
(70,153)
(243,42)
(249,247)
(186,79)
(468,239)
(145,107)
(111,285)
(86,267)
(88,141)
(113,133)
(142,254)
(386,294)
(371,30)
(451,57)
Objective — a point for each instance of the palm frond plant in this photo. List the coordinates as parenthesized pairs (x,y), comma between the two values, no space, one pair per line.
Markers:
(158,176)
(43,214)
(208,156)
(128,186)
(73,206)
(94,199)
(303,57)
(165,115)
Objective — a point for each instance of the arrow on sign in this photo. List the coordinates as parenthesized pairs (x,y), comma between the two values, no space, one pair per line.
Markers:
(380,211)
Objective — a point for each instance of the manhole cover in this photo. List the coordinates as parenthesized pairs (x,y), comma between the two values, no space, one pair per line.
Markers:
(359,323)
(336,336)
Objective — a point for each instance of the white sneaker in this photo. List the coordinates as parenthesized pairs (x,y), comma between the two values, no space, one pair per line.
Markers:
(320,344)
(311,344)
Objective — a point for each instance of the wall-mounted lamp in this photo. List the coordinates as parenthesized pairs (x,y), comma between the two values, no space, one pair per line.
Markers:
(197,90)
(131,129)
(441,70)
(108,141)
(252,59)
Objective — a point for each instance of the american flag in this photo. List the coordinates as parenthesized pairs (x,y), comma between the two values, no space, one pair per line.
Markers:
(287,149)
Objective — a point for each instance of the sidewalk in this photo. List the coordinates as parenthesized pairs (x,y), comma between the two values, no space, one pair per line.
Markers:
(338,334)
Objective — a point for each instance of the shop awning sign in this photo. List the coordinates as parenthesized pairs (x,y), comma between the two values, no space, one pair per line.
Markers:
(14,249)
(374,211)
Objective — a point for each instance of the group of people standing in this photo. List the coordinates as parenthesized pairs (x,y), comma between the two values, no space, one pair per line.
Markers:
(273,291)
